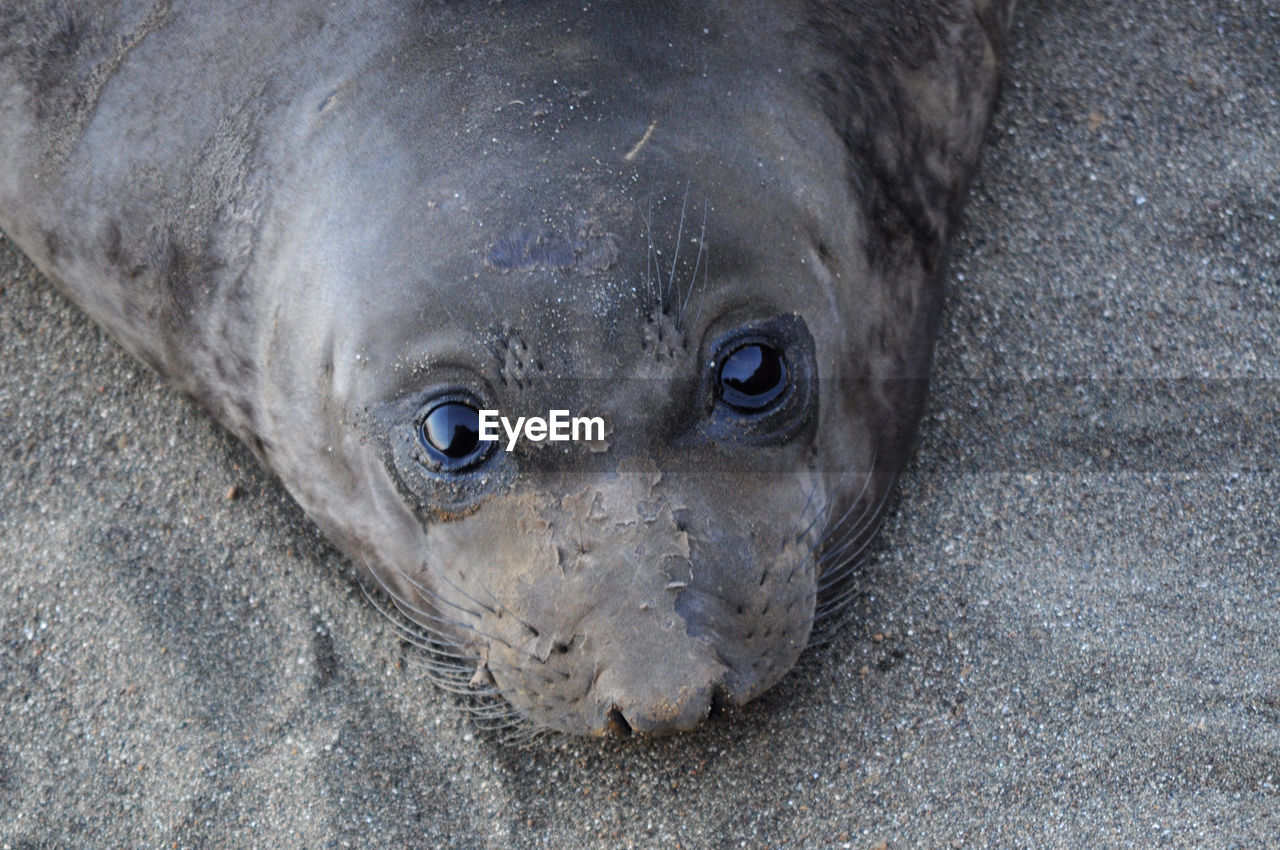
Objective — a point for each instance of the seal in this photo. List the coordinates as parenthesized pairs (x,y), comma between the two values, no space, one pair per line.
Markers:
(719,229)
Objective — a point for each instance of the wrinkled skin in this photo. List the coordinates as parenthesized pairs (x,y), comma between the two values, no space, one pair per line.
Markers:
(316,220)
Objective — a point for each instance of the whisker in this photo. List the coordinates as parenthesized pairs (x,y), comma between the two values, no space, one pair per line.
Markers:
(860,524)
(650,254)
(671,282)
(829,529)
(693,279)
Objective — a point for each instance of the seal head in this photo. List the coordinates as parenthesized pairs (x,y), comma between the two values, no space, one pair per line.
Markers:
(719,228)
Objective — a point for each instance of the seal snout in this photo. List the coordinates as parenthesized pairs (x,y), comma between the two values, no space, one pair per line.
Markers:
(671,719)
(650,712)
(632,603)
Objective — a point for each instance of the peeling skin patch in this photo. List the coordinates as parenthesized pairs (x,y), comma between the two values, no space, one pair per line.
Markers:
(576,611)
(565,614)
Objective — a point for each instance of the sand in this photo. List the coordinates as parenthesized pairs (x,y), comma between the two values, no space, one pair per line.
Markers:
(1068,636)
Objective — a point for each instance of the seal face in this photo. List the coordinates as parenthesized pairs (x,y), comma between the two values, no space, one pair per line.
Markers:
(718,228)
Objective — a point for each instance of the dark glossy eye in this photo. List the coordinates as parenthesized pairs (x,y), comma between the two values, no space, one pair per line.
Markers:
(451,432)
(753,377)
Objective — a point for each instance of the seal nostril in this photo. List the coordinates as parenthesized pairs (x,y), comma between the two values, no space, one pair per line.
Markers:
(616,724)
(719,701)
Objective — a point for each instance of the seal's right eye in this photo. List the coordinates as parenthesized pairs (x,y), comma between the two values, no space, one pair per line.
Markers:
(753,377)
(450,432)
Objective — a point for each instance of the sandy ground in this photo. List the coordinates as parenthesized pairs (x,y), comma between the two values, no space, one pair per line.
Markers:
(1070,634)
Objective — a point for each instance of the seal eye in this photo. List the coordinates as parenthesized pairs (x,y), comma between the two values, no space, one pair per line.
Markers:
(753,377)
(451,433)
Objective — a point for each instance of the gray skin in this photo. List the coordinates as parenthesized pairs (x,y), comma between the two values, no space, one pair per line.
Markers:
(319,219)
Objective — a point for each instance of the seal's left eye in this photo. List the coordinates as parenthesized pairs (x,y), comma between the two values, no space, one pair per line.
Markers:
(753,377)
(451,432)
